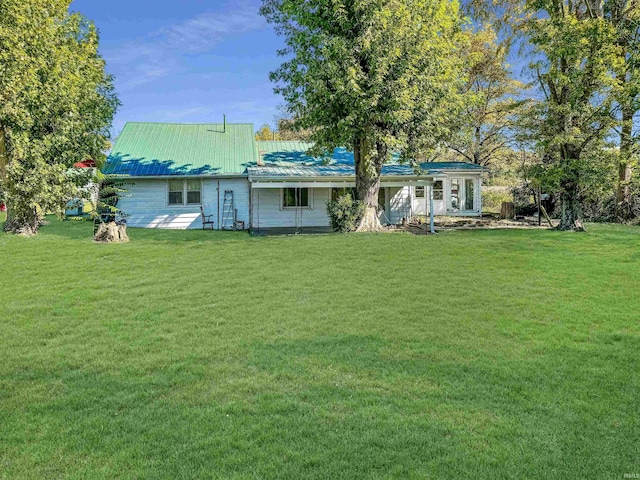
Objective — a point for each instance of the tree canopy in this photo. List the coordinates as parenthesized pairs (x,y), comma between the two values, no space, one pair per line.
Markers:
(265,133)
(584,62)
(376,76)
(56,105)
(489,120)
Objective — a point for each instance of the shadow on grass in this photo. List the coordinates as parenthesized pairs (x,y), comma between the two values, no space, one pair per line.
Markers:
(82,231)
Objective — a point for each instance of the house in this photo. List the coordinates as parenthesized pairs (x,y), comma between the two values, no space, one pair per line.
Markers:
(178,171)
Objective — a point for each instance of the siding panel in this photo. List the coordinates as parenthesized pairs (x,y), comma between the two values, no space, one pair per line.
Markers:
(146,204)
(399,204)
(267,212)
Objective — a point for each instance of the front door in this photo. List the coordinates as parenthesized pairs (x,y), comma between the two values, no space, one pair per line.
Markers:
(420,201)
(462,195)
(439,204)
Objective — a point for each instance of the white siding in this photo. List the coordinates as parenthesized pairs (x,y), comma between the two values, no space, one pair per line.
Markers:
(214,197)
(399,204)
(268,213)
(146,204)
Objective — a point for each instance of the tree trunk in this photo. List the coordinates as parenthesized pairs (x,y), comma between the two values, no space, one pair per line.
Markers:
(27,223)
(571,218)
(623,191)
(368,170)
(4,160)
(507,211)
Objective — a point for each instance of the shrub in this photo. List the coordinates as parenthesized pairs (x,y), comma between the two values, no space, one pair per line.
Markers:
(601,207)
(345,212)
(492,198)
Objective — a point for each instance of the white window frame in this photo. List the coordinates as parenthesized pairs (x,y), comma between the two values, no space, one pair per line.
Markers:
(185,192)
(442,189)
(477,198)
(309,197)
(415,192)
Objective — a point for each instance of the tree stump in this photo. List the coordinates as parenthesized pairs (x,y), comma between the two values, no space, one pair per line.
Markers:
(111,232)
(508,210)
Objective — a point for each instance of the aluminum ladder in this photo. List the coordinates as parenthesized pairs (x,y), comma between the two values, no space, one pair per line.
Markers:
(228,212)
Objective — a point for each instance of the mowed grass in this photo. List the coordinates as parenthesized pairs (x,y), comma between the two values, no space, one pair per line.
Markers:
(488,354)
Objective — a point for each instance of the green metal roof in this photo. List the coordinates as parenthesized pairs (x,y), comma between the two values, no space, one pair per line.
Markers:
(170,149)
(280,157)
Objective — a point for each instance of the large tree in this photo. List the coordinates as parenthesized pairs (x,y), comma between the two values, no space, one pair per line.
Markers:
(380,77)
(578,54)
(624,17)
(489,120)
(589,78)
(56,106)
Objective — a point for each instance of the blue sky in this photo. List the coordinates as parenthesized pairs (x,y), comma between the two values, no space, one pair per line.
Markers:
(187,60)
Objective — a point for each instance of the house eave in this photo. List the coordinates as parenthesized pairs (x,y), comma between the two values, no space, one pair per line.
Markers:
(167,177)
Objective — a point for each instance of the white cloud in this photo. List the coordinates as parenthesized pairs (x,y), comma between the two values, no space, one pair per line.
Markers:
(203,32)
(177,115)
(140,61)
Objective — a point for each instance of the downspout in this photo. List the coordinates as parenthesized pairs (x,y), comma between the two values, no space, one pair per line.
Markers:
(426,198)
(431,218)
(218,209)
(250,205)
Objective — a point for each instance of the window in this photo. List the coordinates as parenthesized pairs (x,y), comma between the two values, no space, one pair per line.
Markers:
(176,192)
(295,197)
(419,192)
(341,192)
(468,194)
(194,192)
(181,190)
(455,194)
(438,191)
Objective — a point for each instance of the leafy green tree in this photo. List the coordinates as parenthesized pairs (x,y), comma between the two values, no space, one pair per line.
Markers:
(489,120)
(375,76)
(589,77)
(574,75)
(624,17)
(56,106)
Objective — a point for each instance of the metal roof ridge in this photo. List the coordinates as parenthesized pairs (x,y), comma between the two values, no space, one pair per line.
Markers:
(187,123)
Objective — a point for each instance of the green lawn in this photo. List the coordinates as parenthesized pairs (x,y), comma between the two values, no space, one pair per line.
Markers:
(484,355)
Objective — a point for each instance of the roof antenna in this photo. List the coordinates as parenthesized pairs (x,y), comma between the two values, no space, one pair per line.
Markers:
(224,123)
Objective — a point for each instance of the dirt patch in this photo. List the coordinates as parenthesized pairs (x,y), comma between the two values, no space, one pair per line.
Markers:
(486,222)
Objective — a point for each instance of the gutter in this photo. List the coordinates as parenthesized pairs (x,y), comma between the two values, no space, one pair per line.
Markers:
(336,178)
(167,177)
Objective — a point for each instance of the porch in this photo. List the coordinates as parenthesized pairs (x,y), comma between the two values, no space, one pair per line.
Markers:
(295,206)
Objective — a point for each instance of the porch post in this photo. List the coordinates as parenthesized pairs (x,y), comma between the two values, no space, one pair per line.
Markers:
(431,219)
